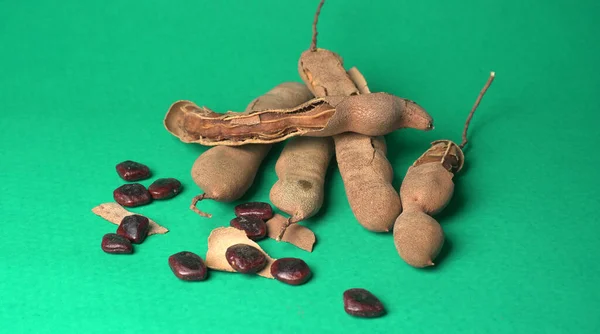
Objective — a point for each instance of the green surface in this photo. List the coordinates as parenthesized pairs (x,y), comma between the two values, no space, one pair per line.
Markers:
(85,85)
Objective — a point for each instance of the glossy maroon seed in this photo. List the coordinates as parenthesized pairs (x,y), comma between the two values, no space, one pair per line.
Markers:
(132,171)
(132,195)
(135,228)
(254,227)
(188,266)
(290,270)
(362,303)
(245,258)
(262,210)
(165,188)
(115,244)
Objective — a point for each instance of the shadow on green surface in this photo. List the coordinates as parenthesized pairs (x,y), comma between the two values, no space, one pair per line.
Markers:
(440,260)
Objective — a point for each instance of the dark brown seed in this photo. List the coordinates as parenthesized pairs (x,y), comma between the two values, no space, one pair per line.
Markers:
(132,195)
(254,227)
(135,228)
(188,266)
(291,271)
(245,258)
(165,188)
(262,210)
(362,303)
(132,171)
(115,244)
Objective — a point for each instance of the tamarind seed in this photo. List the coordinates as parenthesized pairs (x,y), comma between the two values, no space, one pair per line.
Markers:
(164,188)
(188,266)
(255,228)
(132,195)
(362,303)
(290,270)
(245,258)
(262,210)
(116,244)
(132,171)
(135,228)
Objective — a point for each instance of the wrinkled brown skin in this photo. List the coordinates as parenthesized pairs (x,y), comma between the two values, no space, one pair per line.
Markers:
(226,173)
(301,169)
(425,191)
(367,176)
(428,187)
(428,182)
(324,74)
(418,237)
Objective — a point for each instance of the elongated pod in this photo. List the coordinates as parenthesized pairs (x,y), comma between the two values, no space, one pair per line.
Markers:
(426,190)
(374,114)
(301,169)
(225,173)
(367,176)
(365,170)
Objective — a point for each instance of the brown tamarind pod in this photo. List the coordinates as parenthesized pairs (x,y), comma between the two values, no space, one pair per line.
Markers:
(418,237)
(373,114)
(367,176)
(426,190)
(301,169)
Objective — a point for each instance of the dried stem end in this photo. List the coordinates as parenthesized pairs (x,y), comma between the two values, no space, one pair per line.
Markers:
(445,152)
(284,228)
(470,117)
(195,201)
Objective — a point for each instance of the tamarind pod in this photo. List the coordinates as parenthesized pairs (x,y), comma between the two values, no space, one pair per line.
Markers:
(301,169)
(418,237)
(367,176)
(373,114)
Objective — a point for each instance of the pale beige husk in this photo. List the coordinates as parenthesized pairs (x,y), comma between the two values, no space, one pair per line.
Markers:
(222,238)
(114,213)
(296,234)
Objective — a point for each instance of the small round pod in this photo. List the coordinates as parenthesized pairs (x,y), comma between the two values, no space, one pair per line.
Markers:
(367,176)
(418,238)
(428,183)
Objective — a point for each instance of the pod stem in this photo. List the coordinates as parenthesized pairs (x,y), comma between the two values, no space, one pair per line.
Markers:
(195,201)
(481,93)
(284,228)
(313,44)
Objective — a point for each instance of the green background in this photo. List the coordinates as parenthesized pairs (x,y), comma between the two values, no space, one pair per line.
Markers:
(85,85)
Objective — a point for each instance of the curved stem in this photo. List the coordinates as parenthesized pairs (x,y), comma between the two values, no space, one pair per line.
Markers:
(313,44)
(483,90)
(284,228)
(195,201)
